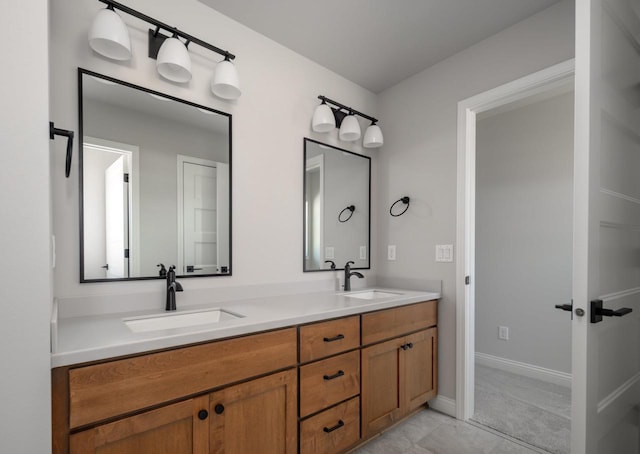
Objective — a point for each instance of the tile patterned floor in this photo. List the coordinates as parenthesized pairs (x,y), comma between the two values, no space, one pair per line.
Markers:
(430,432)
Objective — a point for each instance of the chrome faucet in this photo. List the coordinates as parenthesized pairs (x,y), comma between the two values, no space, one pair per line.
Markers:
(347,275)
(172,288)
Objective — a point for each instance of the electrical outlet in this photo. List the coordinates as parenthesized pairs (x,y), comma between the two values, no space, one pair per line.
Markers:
(391,252)
(503,332)
(363,252)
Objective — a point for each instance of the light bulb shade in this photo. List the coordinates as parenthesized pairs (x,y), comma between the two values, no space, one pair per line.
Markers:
(109,36)
(349,129)
(225,83)
(373,137)
(173,62)
(323,119)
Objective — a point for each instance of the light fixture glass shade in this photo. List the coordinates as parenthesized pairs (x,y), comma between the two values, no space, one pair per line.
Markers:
(173,61)
(350,129)
(225,83)
(323,119)
(373,137)
(109,36)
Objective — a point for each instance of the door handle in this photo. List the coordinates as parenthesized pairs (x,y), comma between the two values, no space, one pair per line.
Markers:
(565,307)
(597,311)
(106,267)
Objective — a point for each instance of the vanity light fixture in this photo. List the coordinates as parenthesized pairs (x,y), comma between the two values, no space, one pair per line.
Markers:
(344,117)
(173,61)
(109,37)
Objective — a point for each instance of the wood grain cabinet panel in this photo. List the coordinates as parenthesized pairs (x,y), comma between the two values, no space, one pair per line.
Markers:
(420,368)
(174,429)
(328,382)
(256,417)
(320,340)
(381,391)
(331,431)
(390,323)
(398,376)
(114,388)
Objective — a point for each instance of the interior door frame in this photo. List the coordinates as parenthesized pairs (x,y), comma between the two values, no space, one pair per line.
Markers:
(532,84)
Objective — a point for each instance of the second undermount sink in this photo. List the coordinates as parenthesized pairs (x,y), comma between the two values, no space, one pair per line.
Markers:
(179,320)
(371,294)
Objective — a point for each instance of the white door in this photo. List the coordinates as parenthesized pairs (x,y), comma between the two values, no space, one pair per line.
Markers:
(200,247)
(116,222)
(606,263)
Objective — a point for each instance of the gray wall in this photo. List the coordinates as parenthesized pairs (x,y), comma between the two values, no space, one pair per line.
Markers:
(524,190)
(280,90)
(25,421)
(419,156)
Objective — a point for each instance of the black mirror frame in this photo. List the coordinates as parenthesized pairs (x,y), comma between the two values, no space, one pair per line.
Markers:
(81,72)
(304,224)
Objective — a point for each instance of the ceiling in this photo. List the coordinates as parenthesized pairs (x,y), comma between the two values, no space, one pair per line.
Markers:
(378,43)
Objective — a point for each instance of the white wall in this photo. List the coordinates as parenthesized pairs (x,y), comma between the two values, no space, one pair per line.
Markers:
(419,156)
(280,90)
(524,206)
(25,421)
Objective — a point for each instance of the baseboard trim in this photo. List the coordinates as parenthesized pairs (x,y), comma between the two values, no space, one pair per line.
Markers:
(528,370)
(444,405)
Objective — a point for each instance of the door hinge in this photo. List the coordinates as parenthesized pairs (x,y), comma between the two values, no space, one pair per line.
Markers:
(126,177)
(467,280)
(126,253)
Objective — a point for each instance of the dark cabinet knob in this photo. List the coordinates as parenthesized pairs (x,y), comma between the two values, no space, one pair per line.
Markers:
(219,409)
(410,345)
(203,414)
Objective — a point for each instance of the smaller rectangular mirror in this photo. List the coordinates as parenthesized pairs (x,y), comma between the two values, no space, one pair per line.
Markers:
(337,207)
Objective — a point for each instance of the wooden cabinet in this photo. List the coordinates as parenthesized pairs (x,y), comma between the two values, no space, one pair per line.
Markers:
(317,388)
(399,374)
(143,403)
(174,429)
(255,417)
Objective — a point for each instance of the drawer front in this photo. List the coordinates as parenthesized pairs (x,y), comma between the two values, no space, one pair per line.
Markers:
(328,338)
(333,430)
(329,381)
(113,388)
(389,323)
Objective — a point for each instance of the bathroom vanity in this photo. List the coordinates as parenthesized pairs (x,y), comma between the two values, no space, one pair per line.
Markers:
(311,381)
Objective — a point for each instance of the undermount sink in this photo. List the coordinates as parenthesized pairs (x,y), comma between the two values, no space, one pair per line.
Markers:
(371,294)
(179,320)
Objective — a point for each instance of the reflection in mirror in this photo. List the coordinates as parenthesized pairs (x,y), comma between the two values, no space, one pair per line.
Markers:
(155,184)
(337,206)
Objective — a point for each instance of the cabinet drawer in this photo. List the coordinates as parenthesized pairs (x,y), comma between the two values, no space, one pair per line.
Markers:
(333,430)
(114,388)
(389,323)
(328,338)
(329,381)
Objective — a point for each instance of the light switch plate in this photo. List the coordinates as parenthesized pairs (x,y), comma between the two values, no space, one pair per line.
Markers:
(444,252)
(329,253)
(363,252)
(391,252)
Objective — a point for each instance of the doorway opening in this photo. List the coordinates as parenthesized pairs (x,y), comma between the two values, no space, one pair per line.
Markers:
(515,187)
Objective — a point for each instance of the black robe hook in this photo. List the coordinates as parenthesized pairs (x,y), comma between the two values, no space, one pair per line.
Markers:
(53,131)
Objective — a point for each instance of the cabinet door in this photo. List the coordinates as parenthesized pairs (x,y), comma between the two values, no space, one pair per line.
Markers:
(258,416)
(419,376)
(381,393)
(174,429)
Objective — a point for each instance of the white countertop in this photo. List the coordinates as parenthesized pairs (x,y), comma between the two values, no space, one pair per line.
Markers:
(89,338)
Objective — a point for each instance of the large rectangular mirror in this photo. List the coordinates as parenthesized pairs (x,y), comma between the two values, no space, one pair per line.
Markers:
(155,183)
(337,206)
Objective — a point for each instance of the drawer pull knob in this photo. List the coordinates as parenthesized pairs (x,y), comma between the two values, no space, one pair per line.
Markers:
(219,409)
(332,339)
(203,414)
(337,426)
(340,373)
(410,345)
